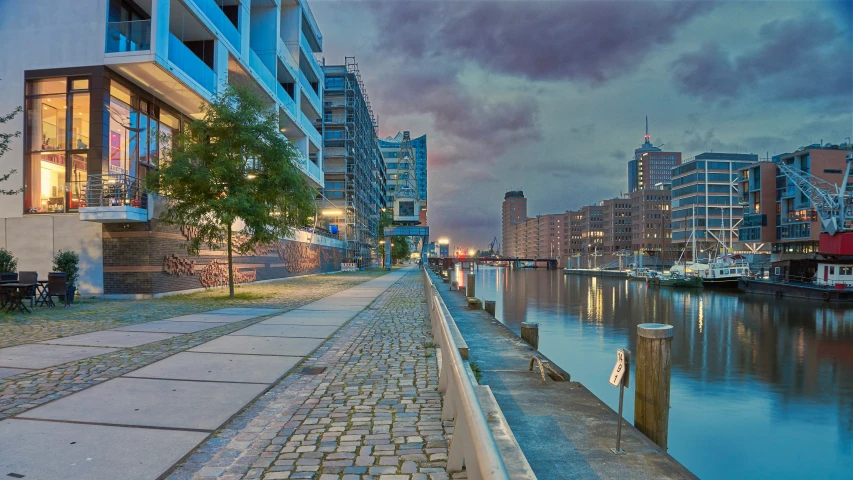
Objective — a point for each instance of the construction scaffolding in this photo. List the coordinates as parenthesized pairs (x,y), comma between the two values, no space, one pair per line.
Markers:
(354,190)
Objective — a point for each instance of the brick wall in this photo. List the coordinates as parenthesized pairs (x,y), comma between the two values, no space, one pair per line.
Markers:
(135,260)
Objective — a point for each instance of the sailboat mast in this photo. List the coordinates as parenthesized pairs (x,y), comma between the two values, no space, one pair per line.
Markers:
(693,235)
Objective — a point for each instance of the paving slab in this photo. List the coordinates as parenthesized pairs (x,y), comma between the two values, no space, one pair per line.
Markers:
(9,372)
(320,318)
(153,403)
(219,367)
(334,306)
(260,345)
(303,331)
(39,355)
(213,318)
(167,326)
(109,338)
(49,450)
(257,312)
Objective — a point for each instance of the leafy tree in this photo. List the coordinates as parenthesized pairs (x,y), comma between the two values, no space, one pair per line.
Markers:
(5,140)
(232,165)
(400,249)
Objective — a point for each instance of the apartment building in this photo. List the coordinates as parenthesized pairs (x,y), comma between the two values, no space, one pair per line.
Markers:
(100,94)
(775,211)
(513,212)
(616,225)
(354,191)
(705,200)
(650,229)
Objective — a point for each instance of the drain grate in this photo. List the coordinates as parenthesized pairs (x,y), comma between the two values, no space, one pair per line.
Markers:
(313,370)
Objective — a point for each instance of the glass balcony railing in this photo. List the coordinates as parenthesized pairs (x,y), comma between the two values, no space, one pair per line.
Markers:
(314,172)
(219,20)
(313,98)
(303,42)
(262,71)
(130,36)
(288,102)
(310,129)
(287,57)
(186,60)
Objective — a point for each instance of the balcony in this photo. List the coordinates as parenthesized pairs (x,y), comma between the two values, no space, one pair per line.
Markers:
(113,198)
(284,98)
(310,130)
(129,36)
(183,58)
(261,70)
(309,54)
(310,169)
(217,17)
(312,96)
(291,63)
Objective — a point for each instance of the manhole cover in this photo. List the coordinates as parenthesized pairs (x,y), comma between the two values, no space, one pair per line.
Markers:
(313,370)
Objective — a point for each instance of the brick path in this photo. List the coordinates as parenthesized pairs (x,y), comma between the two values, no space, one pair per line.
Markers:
(26,391)
(373,413)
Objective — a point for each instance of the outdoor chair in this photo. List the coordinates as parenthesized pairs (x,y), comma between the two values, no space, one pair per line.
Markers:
(57,286)
(30,278)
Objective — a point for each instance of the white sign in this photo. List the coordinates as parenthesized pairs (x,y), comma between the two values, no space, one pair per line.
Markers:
(619,369)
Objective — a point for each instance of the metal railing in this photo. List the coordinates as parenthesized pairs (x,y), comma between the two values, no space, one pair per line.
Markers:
(128,36)
(473,445)
(113,190)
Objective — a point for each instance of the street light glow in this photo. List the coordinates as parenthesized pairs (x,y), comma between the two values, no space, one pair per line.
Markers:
(331,212)
(444,241)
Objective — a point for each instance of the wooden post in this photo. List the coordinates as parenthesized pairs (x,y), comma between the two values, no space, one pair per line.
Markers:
(654,369)
(530,333)
(489,305)
(469,285)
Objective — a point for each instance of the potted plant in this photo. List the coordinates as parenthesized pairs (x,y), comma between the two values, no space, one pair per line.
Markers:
(68,263)
(8,262)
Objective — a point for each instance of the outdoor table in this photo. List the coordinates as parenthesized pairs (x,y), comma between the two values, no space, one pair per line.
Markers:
(3,296)
(41,292)
(15,301)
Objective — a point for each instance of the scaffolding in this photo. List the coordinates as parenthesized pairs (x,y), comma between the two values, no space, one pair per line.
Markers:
(354,190)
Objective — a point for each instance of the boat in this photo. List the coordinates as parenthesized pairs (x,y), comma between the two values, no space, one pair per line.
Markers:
(526,264)
(675,281)
(829,280)
(638,273)
(724,271)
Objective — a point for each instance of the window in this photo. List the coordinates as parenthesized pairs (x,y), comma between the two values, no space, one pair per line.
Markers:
(57,142)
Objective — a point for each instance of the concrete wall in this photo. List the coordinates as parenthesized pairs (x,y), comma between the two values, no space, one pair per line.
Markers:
(34,239)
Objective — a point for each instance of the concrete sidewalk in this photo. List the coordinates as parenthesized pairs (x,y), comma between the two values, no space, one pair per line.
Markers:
(139,424)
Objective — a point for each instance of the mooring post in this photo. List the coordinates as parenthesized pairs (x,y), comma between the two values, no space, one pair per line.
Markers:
(530,333)
(469,285)
(489,305)
(654,369)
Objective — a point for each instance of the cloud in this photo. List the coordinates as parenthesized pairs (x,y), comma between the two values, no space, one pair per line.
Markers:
(803,58)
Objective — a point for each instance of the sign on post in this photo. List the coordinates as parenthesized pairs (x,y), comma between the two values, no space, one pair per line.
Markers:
(619,378)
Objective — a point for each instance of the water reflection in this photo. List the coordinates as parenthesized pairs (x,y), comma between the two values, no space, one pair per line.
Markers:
(761,386)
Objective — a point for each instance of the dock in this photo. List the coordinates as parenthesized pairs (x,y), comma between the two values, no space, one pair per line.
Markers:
(564,430)
(596,273)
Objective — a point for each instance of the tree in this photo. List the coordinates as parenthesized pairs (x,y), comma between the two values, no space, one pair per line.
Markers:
(5,140)
(230,166)
(400,248)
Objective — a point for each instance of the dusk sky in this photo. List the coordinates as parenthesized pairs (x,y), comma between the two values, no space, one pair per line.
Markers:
(550,96)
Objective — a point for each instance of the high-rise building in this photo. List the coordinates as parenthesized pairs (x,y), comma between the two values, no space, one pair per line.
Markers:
(705,199)
(650,165)
(514,211)
(354,190)
(101,96)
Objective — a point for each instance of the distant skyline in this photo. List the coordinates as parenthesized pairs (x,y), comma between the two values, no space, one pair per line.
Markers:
(550,97)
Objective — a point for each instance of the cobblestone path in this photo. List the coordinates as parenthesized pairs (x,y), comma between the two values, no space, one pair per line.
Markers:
(364,406)
(26,391)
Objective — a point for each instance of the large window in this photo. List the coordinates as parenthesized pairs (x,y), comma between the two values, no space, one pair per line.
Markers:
(57,143)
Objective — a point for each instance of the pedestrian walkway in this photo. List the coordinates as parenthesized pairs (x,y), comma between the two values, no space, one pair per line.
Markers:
(139,424)
(363,406)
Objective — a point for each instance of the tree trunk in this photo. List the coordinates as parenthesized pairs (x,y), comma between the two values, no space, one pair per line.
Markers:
(230,265)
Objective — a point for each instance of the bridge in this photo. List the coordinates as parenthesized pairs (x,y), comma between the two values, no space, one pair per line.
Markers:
(450,262)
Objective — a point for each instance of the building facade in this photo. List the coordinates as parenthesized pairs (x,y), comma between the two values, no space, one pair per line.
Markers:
(775,211)
(399,176)
(103,94)
(650,229)
(705,200)
(513,212)
(354,173)
(616,225)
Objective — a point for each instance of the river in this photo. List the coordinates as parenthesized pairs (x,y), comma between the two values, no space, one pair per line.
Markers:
(761,387)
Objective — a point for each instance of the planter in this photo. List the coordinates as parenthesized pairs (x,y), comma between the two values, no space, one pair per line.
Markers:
(71,292)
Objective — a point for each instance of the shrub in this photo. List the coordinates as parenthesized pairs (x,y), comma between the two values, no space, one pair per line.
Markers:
(67,263)
(8,262)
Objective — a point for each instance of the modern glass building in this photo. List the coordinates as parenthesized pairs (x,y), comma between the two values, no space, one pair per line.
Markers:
(103,94)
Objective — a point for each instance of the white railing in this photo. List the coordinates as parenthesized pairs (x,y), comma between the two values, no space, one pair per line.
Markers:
(473,445)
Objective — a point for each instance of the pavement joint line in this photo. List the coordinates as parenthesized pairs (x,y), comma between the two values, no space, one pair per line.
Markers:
(247,354)
(194,380)
(21,368)
(235,334)
(123,425)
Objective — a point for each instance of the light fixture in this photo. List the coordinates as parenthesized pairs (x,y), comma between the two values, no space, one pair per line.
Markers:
(332,211)
(251,176)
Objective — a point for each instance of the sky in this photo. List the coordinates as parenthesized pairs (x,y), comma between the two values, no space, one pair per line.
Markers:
(550,97)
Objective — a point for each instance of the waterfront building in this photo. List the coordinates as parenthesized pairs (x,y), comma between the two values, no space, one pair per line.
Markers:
(616,225)
(103,91)
(513,212)
(775,211)
(354,190)
(650,229)
(650,165)
(576,243)
(704,196)
(399,171)
(592,234)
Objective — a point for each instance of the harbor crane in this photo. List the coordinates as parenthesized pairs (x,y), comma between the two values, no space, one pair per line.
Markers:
(832,204)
